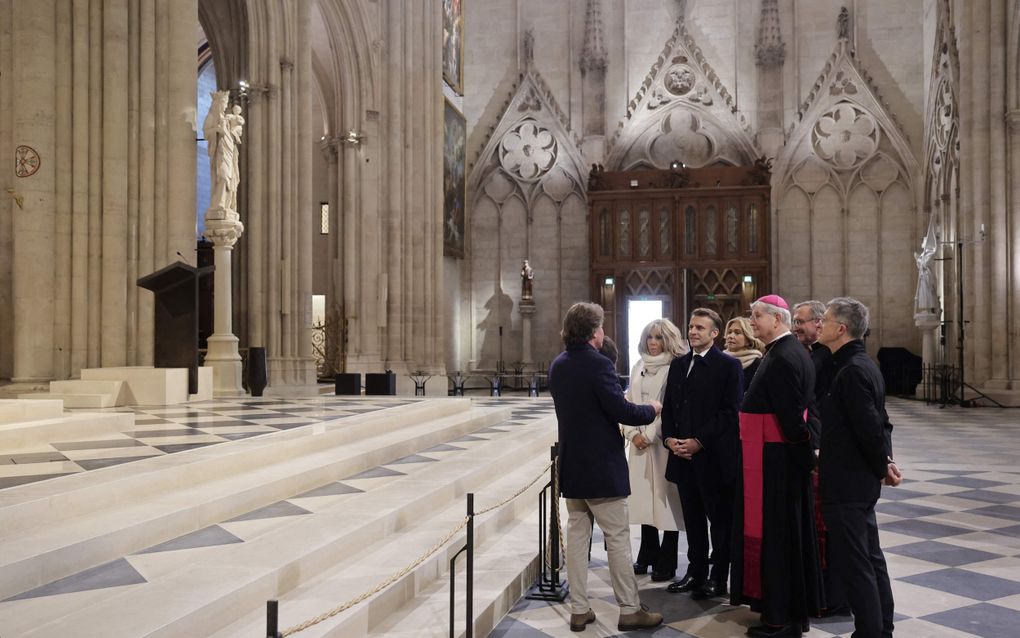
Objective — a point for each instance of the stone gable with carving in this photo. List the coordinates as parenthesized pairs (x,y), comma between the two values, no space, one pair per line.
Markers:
(681,112)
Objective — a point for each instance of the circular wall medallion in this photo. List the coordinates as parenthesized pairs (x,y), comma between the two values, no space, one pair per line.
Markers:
(26,161)
(679,80)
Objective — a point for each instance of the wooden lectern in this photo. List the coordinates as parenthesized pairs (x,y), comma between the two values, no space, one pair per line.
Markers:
(176,317)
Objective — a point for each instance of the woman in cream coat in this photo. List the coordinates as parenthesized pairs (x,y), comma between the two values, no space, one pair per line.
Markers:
(654,502)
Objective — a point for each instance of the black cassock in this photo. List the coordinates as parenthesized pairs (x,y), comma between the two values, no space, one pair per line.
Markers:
(775,552)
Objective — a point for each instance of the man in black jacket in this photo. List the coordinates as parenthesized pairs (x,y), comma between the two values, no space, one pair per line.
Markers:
(699,427)
(855,457)
(593,467)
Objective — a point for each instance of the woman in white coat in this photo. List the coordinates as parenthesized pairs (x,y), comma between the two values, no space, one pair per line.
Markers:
(654,502)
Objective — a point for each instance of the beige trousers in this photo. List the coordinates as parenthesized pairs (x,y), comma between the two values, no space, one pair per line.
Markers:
(611,515)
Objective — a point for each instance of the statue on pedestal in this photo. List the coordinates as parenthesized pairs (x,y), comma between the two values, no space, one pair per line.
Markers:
(926,300)
(223,131)
(527,279)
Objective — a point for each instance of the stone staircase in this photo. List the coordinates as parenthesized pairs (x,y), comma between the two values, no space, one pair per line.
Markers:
(27,425)
(312,516)
(82,393)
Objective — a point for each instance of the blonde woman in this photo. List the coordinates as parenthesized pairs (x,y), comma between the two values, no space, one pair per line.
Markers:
(653,502)
(744,346)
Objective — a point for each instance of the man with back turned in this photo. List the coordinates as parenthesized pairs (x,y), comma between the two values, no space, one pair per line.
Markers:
(594,478)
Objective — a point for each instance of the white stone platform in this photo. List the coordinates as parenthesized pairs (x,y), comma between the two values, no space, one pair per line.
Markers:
(28,425)
(311,514)
(127,385)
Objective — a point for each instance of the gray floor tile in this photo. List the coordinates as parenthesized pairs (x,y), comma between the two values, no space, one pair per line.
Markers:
(113,574)
(206,537)
(923,529)
(985,620)
(962,582)
(988,496)
(942,553)
(276,510)
(331,489)
(12,481)
(95,464)
(968,481)
(33,457)
(97,445)
(1007,512)
(412,458)
(375,472)
(907,510)
(183,447)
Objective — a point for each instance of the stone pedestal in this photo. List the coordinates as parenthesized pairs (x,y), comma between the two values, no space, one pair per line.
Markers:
(928,323)
(527,309)
(223,229)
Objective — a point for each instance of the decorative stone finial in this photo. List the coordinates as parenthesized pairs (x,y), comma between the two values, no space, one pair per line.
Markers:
(529,48)
(843,24)
(769,50)
(593,56)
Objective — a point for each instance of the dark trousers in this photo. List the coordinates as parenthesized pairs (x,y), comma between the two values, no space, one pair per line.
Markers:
(857,562)
(662,557)
(705,503)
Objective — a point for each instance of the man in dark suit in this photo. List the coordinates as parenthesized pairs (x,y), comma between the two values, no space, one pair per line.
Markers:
(699,426)
(855,458)
(593,468)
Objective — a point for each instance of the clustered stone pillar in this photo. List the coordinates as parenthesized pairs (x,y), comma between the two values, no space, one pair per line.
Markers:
(103,96)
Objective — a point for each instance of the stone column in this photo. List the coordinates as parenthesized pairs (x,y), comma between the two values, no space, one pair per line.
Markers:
(223,229)
(527,309)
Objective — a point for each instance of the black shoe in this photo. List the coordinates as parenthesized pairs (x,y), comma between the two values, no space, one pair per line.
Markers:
(640,568)
(661,577)
(709,590)
(770,631)
(685,584)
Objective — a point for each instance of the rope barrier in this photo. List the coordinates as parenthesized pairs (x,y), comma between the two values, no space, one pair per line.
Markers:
(403,572)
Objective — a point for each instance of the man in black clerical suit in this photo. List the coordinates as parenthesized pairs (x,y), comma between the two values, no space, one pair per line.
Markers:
(699,427)
(855,458)
(775,566)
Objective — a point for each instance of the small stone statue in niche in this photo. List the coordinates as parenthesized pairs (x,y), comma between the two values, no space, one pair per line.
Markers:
(926,300)
(527,279)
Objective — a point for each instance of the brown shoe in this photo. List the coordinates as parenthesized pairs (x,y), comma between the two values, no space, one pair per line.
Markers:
(579,621)
(641,619)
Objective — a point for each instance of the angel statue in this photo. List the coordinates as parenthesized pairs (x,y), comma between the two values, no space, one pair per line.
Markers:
(926,300)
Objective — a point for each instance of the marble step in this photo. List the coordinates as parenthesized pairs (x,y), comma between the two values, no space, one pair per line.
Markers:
(191,490)
(519,461)
(20,410)
(84,400)
(200,598)
(47,503)
(506,566)
(35,435)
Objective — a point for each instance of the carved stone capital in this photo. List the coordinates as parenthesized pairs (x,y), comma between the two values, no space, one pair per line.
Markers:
(222,231)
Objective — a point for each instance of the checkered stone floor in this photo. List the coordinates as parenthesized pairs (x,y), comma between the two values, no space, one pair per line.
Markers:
(170,429)
(951,535)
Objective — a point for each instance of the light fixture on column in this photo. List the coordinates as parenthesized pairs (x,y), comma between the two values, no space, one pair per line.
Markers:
(353,138)
(245,92)
(676,165)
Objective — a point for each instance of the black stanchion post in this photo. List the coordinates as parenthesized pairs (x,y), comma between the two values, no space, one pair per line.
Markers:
(272,619)
(554,513)
(549,586)
(470,587)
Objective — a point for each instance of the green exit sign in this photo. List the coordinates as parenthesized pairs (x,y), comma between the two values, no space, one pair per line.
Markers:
(710,297)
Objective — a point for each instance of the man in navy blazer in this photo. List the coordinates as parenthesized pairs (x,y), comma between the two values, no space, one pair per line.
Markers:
(593,468)
(700,428)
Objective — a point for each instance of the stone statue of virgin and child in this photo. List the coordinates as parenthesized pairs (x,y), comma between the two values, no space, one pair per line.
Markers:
(223,130)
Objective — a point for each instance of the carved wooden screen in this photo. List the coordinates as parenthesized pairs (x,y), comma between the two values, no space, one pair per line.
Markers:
(694,238)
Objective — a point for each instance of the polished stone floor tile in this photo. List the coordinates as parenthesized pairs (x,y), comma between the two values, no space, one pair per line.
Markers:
(985,620)
(116,573)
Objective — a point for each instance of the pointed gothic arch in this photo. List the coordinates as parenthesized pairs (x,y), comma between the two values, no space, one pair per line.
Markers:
(682,111)
(526,195)
(854,231)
